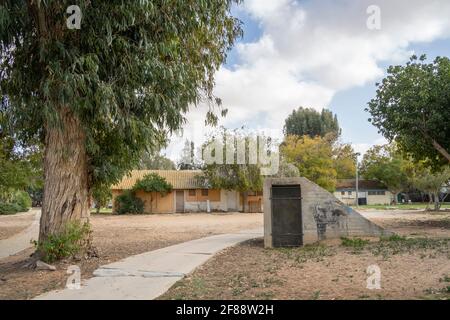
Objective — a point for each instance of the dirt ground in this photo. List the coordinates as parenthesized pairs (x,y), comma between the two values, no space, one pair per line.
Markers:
(12,224)
(414,267)
(116,237)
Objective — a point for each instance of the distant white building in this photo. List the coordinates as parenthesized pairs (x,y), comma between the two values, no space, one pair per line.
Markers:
(370,192)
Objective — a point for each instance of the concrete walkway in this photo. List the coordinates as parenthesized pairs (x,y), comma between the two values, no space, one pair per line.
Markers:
(21,241)
(146,276)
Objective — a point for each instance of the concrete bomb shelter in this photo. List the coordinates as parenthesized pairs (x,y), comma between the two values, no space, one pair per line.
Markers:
(298,211)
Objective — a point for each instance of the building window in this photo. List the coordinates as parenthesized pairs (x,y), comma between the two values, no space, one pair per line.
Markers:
(377,193)
(342,193)
(192,193)
(205,192)
(350,193)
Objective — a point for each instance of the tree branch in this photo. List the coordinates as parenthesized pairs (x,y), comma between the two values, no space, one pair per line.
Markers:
(438,147)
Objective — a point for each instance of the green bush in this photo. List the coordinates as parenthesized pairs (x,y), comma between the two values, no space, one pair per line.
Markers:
(20,202)
(75,238)
(23,200)
(127,202)
(9,208)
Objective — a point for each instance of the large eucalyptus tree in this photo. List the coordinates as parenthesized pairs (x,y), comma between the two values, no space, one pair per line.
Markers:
(98,96)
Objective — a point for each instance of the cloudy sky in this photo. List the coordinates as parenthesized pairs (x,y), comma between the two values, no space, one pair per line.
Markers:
(318,54)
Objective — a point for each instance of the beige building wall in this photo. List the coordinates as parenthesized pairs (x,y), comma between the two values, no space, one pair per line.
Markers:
(347,199)
(350,199)
(160,204)
(197,202)
(380,199)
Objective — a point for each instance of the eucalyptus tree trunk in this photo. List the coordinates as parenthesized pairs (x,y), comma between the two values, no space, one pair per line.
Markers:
(66,193)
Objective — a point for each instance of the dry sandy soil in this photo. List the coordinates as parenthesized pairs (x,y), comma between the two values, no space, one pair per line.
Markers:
(12,224)
(416,267)
(115,237)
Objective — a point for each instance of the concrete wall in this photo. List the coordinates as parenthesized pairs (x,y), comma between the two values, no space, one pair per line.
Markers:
(198,203)
(323,216)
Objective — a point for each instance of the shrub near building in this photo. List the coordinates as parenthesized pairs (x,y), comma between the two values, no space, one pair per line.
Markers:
(20,202)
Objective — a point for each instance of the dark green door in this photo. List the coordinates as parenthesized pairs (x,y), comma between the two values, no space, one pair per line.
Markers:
(286,216)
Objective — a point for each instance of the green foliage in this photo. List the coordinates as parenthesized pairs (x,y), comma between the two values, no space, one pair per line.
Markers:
(396,244)
(344,159)
(101,196)
(129,75)
(20,166)
(188,159)
(307,121)
(313,158)
(155,162)
(9,208)
(310,252)
(75,238)
(387,165)
(412,107)
(23,200)
(241,177)
(355,243)
(20,202)
(431,182)
(128,203)
(153,183)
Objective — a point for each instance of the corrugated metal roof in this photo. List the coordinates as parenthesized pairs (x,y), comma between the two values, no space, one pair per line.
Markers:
(362,184)
(183,179)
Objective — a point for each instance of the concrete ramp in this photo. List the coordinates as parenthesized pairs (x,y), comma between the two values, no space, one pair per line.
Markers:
(323,215)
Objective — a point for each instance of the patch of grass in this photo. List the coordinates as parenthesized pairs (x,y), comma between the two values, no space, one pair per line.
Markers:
(267,295)
(315,295)
(396,244)
(104,211)
(354,243)
(406,206)
(315,252)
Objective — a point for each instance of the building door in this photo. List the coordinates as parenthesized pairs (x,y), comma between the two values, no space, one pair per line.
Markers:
(179,200)
(362,198)
(287,229)
(232,203)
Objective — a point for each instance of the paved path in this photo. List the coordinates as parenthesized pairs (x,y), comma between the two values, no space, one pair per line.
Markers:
(21,241)
(146,276)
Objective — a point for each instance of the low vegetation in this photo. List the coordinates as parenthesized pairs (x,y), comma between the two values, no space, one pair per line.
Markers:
(19,202)
(395,244)
(75,239)
(152,183)
(310,252)
(128,203)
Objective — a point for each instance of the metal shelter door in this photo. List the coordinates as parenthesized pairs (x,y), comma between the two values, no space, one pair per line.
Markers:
(287,230)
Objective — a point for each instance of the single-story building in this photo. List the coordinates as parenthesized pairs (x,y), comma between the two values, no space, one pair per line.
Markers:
(188,194)
(370,192)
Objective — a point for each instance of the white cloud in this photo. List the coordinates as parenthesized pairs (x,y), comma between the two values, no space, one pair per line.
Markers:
(310,50)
